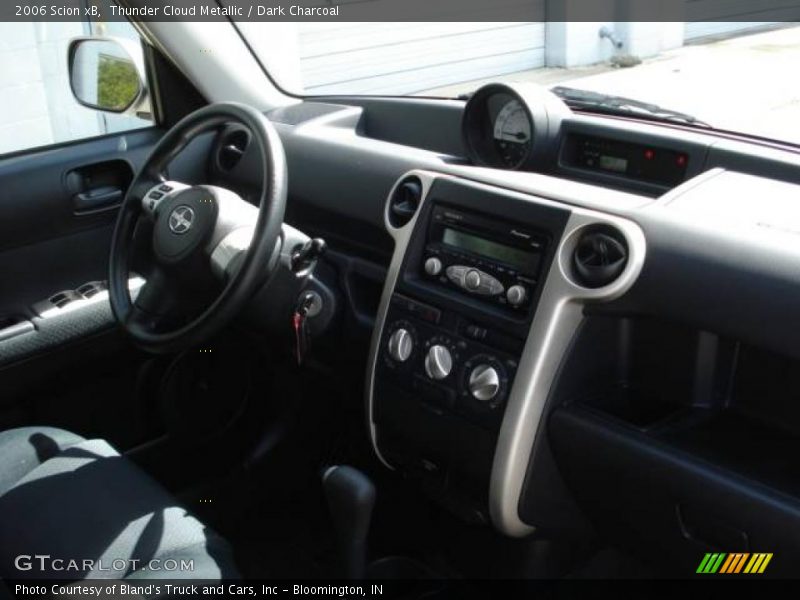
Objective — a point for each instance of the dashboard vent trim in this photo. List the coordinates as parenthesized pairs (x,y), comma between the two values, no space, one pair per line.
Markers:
(232,145)
(404,202)
(600,256)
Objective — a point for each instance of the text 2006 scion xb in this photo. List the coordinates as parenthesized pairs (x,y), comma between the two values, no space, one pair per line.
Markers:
(311,304)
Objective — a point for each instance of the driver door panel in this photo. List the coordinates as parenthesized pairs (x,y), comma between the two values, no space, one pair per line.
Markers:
(52,237)
(75,370)
(51,243)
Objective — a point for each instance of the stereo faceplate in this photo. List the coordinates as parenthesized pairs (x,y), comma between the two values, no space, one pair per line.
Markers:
(496,261)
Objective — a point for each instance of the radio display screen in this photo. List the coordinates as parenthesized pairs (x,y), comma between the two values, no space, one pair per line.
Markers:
(519,259)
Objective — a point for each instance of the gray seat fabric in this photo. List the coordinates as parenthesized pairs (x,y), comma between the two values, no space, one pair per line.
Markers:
(78,500)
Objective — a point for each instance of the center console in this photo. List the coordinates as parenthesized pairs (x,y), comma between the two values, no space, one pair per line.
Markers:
(484,294)
(455,326)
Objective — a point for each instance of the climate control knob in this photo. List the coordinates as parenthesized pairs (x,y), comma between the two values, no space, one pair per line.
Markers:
(484,383)
(438,362)
(401,345)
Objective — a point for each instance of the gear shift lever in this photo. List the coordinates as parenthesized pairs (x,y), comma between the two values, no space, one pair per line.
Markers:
(351,497)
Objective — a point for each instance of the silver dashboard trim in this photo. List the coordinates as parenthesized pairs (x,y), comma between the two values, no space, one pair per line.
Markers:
(401,237)
(558,315)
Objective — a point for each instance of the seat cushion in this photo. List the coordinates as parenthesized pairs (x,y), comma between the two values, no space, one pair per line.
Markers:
(95,515)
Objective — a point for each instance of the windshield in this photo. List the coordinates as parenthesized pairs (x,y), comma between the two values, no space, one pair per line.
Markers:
(736,76)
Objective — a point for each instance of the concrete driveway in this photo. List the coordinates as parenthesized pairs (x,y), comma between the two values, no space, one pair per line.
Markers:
(749,83)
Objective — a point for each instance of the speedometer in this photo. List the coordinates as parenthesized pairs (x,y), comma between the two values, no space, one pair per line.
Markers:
(512,133)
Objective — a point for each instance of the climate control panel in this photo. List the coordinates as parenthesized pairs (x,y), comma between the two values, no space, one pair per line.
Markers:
(445,362)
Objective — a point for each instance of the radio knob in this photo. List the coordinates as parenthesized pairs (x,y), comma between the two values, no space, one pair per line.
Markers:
(472,280)
(516,295)
(438,362)
(484,383)
(401,344)
(433,266)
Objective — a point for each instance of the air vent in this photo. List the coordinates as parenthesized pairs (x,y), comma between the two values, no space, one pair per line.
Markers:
(232,147)
(600,256)
(405,201)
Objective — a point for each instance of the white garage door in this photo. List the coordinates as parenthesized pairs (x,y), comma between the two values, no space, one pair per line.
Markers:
(706,18)
(705,29)
(404,58)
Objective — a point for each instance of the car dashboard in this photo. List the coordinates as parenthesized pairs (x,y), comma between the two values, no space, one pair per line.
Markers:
(561,305)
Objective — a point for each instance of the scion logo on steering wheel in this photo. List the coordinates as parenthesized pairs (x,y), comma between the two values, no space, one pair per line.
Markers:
(180,221)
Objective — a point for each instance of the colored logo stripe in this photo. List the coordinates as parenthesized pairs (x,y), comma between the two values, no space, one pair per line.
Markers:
(735,562)
(711,563)
(758,563)
(728,562)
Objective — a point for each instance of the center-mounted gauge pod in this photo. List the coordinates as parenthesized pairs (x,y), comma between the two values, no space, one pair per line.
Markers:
(512,126)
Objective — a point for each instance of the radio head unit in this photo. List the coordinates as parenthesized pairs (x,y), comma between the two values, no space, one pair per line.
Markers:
(485,257)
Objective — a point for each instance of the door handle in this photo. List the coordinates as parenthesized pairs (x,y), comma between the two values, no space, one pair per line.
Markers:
(100,198)
(97,187)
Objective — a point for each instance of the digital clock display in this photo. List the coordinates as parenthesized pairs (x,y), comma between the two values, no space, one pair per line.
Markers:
(651,164)
(613,163)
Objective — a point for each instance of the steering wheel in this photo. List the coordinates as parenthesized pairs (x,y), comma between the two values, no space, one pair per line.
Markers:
(209,250)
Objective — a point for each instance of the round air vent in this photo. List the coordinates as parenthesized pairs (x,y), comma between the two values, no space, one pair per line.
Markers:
(405,201)
(231,148)
(600,256)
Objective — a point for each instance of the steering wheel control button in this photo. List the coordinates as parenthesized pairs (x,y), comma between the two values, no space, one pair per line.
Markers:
(433,266)
(516,295)
(181,219)
(158,194)
(438,362)
(484,383)
(401,345)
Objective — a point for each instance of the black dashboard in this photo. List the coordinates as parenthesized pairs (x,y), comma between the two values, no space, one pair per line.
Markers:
(492,354)
(437,126)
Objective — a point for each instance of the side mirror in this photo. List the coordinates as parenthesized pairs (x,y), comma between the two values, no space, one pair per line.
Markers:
(107,74)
